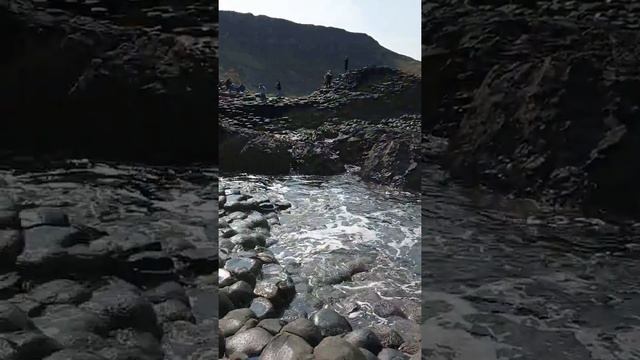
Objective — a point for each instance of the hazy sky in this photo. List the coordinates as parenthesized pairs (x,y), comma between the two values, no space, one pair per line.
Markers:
(396,25)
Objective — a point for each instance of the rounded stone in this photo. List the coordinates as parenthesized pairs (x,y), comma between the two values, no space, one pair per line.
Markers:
(306,329)
(330,323)
(286,346)
(334,347)
(391,354)
(262,307)
(364,338)
(250,342)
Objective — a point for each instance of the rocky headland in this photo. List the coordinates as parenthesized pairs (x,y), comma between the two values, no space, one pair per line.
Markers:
(366,123)
(537,98)
(369,118)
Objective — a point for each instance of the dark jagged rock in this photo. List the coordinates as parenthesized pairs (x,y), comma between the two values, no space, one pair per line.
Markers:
(538,98)
(368,118)
(107,72)
(89,280)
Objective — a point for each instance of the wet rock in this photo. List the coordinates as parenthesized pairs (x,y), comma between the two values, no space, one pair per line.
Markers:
(11,245)
(185,340)
(13,319)
(200,260)
(59,320)
(386,309)
(250,342)
(391,354)
(334,347)
(225,278)
(240,293)
(368,354)
(242,267)
(224,304)
(31,344)
(388,337)
(262,307)
(172,310)
(253,152)
(250,324)
(364,338)
(277,288)
(123,305)
(9,285)
(9,213)
(129,343)
(286,346)
(248,241)
(167,291)
(319,160)
(61,291)
(7,350)
(234,320)
(222,347)
(69,354)
(306,329)
(151,262)
(45,245)
(273,326)
(43,216)
(330,323)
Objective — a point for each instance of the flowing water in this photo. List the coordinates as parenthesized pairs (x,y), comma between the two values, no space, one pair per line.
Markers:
(349,245)
(505,279)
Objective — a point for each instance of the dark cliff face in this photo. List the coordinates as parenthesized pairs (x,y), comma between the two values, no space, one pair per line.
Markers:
(259,49)
(538,98)
(111,79)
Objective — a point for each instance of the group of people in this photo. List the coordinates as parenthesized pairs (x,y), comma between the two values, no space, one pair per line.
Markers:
(328,76)
(262,89)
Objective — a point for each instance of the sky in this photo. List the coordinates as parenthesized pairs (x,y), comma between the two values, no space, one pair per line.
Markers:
(396,25)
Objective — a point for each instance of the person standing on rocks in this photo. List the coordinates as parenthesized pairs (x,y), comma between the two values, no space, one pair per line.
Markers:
(279,89)
(262,91)
(346,64)
(327,78)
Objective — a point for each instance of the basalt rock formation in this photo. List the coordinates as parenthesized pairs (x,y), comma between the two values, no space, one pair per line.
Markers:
(120,80)
(106,262)
(260,49)
(538,98)
(369,118)
(257,318)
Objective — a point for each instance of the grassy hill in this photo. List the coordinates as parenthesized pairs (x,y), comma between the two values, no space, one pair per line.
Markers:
(260,49)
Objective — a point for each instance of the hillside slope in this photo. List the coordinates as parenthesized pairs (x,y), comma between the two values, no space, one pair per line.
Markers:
(260,49)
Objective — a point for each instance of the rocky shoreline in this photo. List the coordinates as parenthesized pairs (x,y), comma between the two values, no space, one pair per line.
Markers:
(256,317)
(108,262)
(537,98)
(369,118)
